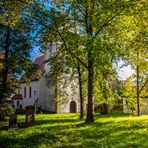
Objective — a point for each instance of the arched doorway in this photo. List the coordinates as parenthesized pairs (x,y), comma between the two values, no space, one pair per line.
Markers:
(73,107)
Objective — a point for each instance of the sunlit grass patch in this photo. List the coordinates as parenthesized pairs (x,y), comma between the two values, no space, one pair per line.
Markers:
(66,130)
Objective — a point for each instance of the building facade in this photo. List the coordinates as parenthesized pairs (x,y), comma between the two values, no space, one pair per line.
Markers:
(45,96)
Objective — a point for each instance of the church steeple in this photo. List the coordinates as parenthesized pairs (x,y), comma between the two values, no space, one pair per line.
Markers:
(48,53)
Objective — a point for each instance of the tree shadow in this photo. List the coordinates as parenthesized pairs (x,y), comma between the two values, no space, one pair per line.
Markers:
(73,132)
(32,140)
(54,121)
(111,115)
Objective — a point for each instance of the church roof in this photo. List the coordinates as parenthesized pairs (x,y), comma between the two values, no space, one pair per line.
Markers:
(40,62)
(17,97)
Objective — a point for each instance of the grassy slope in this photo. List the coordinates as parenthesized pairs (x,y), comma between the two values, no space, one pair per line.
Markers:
(66,130)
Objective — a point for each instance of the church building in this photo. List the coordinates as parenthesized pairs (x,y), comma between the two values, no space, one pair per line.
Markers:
(46,96)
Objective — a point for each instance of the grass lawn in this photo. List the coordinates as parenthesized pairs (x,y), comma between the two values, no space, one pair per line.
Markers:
(66,130)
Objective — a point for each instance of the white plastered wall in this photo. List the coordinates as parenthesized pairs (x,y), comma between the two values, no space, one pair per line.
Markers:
(72,95)
(46,96)
(28,100)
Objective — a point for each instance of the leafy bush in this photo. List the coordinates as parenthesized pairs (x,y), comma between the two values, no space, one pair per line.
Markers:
(20,111)
(6,110)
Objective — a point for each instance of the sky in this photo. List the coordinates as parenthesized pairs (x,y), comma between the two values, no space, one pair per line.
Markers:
(35,53)
(125,72)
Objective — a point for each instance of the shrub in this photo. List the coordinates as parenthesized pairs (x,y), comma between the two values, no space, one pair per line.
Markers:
(5,110)
(20,111)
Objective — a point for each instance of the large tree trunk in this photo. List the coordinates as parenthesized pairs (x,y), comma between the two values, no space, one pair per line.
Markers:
(5,71)
(5,67)
(80,92)
(90,116)
(138,95)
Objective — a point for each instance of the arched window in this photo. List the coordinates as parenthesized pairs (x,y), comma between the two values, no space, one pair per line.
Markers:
(30,91)
(24,92)
(73,107)
(18,103)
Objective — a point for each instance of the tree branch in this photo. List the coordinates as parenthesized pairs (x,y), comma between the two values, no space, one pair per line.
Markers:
(143,85)
(64,42)
(104,25)
(70,50)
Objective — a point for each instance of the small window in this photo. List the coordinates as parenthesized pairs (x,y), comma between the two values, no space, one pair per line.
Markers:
(30,92)
(18,103)
(25,92)
(20,106)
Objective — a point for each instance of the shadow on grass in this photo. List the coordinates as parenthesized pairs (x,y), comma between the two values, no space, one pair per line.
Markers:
(65,120)
(112,115)
(32,140)
(55,121)
(71,132)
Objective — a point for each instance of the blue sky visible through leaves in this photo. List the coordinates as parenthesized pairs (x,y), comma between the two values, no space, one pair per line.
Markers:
(35,52)
(125,71)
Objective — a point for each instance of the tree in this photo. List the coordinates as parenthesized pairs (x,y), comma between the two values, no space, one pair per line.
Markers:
(94,20)
(98,24)
(129,97)
(15,46)
(134,46)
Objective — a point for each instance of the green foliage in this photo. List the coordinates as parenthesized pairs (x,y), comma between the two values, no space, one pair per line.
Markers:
(83,30)
(93,33)
(129,97)
(15,46)
(132,40)
(109,91)
(6,110)
(20,111)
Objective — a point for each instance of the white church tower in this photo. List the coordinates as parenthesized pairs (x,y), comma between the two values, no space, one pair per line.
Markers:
(49,52)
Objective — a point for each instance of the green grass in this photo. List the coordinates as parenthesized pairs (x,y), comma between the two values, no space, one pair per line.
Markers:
(66,130)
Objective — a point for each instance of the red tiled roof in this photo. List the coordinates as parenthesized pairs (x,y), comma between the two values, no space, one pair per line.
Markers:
(17,97)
